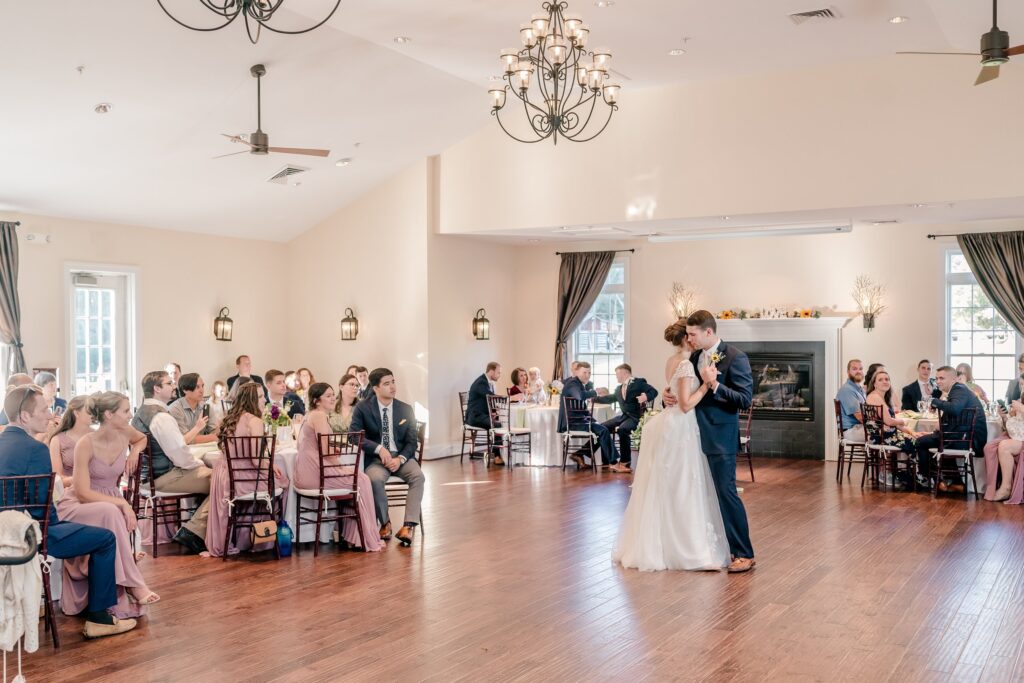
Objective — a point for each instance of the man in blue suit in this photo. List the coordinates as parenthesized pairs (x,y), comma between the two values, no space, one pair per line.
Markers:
(21,455)
(633,396)
(957,399)
(920,389)
(725,370)
(477,412)
(576,387)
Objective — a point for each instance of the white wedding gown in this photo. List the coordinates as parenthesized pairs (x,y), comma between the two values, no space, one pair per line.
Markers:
(673,520)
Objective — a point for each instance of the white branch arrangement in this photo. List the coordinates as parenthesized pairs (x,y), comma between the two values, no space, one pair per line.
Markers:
(870,298)
(683,299)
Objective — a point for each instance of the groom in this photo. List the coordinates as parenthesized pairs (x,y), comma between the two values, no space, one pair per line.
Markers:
(725,370)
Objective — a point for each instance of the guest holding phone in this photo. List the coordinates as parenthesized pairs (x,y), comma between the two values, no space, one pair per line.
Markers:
(191,411)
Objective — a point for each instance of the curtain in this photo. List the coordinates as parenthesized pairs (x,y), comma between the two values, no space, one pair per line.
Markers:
(997,261)
(10,308)
(580,280)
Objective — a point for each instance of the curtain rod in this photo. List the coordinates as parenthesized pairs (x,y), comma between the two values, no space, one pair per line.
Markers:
(616,251)
(931,237)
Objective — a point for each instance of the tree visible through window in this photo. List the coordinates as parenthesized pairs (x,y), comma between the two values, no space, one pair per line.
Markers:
(601,338)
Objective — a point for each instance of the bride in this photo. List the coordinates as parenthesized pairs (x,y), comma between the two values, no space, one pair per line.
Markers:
(673,520)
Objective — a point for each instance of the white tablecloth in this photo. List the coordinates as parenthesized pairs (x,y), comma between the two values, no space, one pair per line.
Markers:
(542,421)
(995,430)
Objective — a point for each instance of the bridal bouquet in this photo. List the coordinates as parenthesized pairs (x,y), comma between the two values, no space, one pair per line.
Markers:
(634,438)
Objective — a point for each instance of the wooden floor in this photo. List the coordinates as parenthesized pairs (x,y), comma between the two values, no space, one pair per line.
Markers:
(513,581)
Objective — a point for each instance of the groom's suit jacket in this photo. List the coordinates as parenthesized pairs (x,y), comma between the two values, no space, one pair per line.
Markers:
(717,412)
(629,406)
(366,419)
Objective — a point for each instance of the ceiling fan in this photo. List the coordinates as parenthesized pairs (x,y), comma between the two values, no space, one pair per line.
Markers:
(995,50)
(259,142)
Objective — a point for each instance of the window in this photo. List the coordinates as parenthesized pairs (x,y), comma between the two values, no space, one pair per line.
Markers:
(976,333)
(601,338)
(95,340)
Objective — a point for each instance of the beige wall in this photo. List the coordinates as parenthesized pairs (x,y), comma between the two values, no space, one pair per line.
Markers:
(183,281)
(896,130)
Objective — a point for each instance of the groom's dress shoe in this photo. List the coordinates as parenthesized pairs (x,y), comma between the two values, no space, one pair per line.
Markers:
(405,535)
(741,564)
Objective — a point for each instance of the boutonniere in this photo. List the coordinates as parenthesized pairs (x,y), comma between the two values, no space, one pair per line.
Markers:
(402,422)
(717,357)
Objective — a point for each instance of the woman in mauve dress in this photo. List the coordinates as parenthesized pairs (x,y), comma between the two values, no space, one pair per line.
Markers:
(307,468)
(244,418)
(95,499)
(74,424)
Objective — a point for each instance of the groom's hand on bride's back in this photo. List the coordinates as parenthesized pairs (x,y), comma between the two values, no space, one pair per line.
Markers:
(668,398)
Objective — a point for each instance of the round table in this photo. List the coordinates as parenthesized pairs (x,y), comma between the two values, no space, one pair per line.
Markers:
(930,423)
(546,442)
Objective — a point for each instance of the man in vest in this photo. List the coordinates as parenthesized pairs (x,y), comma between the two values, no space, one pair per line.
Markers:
(174,467)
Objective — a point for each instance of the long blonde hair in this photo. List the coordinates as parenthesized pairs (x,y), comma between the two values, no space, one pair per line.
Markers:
(68,421)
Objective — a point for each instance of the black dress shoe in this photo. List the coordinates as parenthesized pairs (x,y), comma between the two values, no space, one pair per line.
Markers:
(190,541)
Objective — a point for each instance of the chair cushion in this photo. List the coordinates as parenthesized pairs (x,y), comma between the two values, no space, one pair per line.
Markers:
(474,429)
(578,434)
(744,439)
(955,452)
(252,495)
(314,493)
(394,480)
(514,431)
(145,493)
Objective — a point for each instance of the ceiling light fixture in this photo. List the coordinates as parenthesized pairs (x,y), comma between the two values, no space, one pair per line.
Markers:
(752,231)
(103,107)
(898,19)
(676,52)
(570,80)
(603,3)
(257,14)
(402,40)
(343,162)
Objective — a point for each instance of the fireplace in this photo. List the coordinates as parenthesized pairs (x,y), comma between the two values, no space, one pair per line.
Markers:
(783,385)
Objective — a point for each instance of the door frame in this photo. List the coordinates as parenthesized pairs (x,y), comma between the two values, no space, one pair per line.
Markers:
(132,343)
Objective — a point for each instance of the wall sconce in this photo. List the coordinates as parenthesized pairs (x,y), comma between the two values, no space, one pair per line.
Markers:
(223,325)
(481,326)
(870,298)
(349,326)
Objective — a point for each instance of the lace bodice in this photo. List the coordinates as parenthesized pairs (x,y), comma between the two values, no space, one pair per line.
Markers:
(684,371)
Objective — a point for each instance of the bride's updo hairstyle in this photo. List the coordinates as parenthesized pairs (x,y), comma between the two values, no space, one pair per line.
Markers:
(675,334)
(103,402)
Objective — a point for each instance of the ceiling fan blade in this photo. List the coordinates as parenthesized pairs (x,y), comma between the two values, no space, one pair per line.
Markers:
(221,156)
(972,54)
(988,73)
(1019,50)
(237,138)
(300,150)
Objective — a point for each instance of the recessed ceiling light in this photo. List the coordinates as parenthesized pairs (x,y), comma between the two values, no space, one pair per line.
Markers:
(676,52)
(604,3)
(402,40)
(898,19)
(103,107)
(725,218)
(343,162)
(533,241)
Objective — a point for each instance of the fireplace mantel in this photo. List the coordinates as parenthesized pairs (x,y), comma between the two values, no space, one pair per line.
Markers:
(825,329)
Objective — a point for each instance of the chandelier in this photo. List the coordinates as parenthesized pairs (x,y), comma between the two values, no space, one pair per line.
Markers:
(256,12)
(570,83)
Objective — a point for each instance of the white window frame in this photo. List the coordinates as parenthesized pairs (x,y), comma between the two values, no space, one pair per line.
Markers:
(132,343)
(624,261)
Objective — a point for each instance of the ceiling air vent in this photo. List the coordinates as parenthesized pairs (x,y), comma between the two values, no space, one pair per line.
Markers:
(287,175)
(826,13)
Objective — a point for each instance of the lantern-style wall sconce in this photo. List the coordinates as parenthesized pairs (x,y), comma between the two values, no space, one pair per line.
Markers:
(481,326)
(223,326)
(349,326)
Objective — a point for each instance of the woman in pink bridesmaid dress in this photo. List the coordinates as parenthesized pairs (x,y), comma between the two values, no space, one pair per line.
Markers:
(242,419)
(74,424)
(307,468)
(95,499)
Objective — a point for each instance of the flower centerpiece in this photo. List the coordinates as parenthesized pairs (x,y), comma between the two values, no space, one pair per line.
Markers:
(275,416)
(634,438)
(554,389)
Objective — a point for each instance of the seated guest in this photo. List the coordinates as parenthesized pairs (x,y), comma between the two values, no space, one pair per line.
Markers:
(965,375)
(95,499)
(218,403)
(21,455)
(363,377)
(174,370)
(520,389)
(351,370)
(1013,389)
(633,395)
(244,418)
(187,411)
(340,418)
(895,430)
(337,476)
(47,381)
(278,395)
(243,366)
(850,396)
(920,389)
(389,447)
(872,369)
(535,382)
(573,367)
(957,398)
(576,387)
(175,469)
(1001,454)
(304,376)
(75,423)
(18,379)
(291,380)
(477,412)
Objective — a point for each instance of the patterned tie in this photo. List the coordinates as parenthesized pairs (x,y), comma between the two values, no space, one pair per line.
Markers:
(385,432)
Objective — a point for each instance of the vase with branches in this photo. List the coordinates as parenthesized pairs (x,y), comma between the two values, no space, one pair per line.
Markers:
(870,298)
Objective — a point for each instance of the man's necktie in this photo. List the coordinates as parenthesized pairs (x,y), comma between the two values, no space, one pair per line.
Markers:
(385,431)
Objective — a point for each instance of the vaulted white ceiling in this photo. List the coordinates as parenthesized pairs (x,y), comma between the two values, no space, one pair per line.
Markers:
(349,87)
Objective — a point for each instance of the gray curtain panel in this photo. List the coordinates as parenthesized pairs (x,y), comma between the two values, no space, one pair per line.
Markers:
(997,261)
(580,280)
(10,308)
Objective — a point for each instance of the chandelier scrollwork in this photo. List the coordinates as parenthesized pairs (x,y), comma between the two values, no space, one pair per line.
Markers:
(569,81)
(256,13)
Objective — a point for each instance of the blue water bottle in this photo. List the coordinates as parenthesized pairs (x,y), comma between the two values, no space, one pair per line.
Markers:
(284,539)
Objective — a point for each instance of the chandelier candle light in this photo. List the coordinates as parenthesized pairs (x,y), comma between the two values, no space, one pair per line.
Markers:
(568,80)
(256,13)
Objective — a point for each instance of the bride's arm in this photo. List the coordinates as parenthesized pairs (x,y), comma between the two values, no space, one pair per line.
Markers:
(688,400)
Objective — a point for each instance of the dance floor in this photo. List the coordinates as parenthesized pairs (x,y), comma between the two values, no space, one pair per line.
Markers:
(512,581)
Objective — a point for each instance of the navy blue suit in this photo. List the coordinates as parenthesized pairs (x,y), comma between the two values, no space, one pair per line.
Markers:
(631,412)
(718,419)
(477,414)
(959,399)
(912,394)
(296,407)
(574,388)
(21,455)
